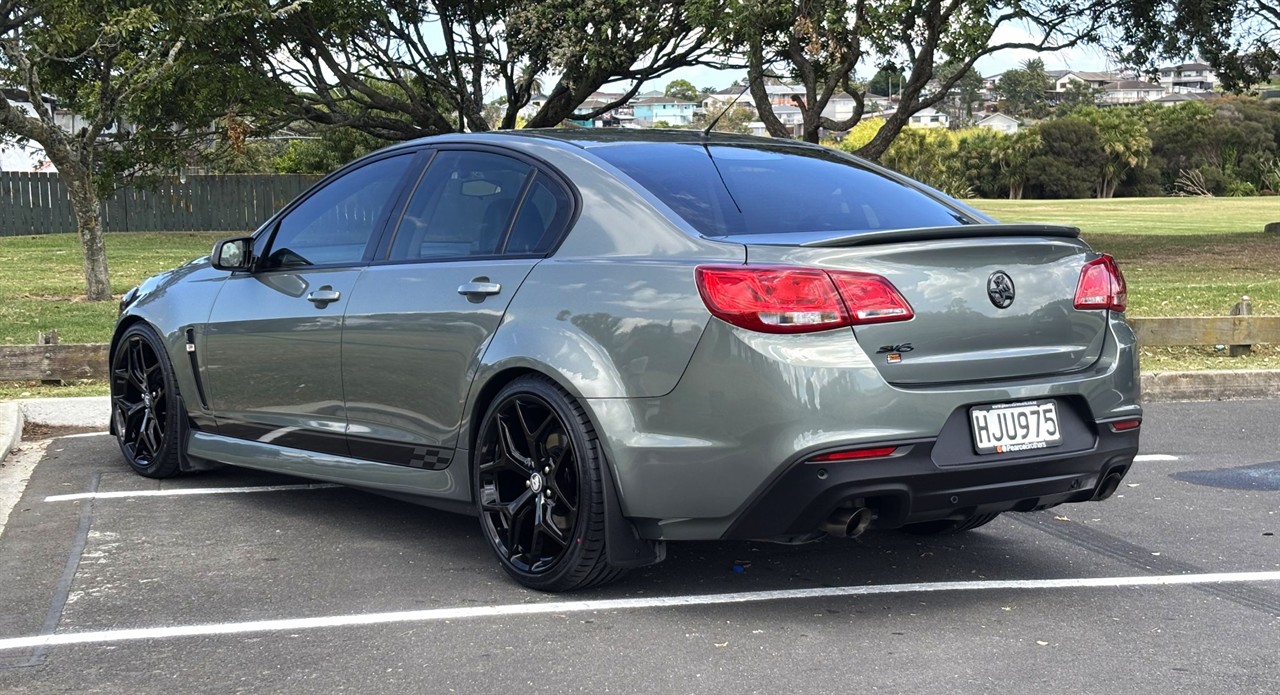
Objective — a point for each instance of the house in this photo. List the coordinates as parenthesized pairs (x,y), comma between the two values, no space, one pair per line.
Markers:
(929,118)
(675,112)
(1175,98)
(1094,79)
(1130,92)
(790,116)
(1187,77)
(1000,123)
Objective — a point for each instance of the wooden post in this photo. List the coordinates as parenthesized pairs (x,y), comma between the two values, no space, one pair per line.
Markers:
(50,338)
(1242,308)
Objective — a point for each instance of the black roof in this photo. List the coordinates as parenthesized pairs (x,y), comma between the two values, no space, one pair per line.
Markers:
(593,137)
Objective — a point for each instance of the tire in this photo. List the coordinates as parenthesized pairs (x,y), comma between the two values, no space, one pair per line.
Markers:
(147,414)
(946,526)
(539,490)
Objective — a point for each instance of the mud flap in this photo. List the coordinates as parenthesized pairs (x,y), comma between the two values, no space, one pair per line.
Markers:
(623,545)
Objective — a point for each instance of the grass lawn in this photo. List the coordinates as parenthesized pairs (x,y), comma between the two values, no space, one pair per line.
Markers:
(42,281)
(1146,216)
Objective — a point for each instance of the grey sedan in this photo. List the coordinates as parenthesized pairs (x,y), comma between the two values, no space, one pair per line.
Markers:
(601,341)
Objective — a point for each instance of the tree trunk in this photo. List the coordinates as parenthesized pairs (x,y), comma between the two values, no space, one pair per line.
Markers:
(84,201)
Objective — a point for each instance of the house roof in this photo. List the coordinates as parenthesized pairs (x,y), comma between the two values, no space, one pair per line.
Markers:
(1123,85)
(1178,98)
(997,116)
(662,100)
(1185,66)
(928,111)
(1089,76)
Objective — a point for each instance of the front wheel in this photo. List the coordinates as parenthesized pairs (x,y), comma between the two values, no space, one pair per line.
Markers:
(146,411)
(539,489)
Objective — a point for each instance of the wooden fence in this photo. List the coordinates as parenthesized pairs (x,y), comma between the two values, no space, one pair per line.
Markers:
(66,362)
(37,203)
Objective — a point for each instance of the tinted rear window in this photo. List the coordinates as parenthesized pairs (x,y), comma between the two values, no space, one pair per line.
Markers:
(760,189)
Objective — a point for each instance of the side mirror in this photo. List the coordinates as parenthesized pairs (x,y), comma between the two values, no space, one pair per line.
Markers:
(233,254)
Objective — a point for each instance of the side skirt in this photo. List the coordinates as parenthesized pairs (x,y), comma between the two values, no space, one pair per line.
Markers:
(433,488)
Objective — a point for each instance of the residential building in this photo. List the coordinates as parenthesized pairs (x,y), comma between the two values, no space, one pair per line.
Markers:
(675,112)
(1175,98)
(1095,79)
(1000,123)
(1130,92)
(790,116)
(929,118)
(1187,78)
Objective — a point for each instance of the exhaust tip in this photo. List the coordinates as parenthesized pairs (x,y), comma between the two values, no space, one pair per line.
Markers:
(848,523)
(1108,486)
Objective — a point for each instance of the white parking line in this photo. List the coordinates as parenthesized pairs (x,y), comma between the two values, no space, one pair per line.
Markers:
(186,491)
(438,614)
(1154,457)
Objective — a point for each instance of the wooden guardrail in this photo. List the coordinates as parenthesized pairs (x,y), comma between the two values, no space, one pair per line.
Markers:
(67,362)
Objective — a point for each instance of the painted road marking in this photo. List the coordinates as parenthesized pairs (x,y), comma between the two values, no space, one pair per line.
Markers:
(438,614)
(186,491)
(1154,457)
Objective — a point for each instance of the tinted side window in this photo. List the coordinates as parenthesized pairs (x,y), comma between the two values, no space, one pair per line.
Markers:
(335,224)
(462,206)
(542,217)
(759,189)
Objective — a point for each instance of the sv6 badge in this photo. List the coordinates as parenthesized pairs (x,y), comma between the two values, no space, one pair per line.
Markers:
(893,353)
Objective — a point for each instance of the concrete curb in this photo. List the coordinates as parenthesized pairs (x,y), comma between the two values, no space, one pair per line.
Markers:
(1211,385)
(10,428)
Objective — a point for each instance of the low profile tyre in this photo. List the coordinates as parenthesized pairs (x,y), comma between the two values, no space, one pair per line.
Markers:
(146,411)
(946,526)
(539,490)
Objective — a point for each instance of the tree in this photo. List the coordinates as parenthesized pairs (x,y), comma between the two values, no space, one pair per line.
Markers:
(819,43)
(128,70)
(1240,39)
(1022,90)
(1068,163)
(732,118)
(682,89)
(443,57)
(883,82)
(964,92)
(1014,155)
(1125,144)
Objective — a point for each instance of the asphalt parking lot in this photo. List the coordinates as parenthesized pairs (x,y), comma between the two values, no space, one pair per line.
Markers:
(265,584)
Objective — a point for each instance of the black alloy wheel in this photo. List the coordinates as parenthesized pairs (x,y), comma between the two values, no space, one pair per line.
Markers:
(145,408)
(539,490)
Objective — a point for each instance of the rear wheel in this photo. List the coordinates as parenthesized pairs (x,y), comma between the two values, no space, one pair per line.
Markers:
(946,526)
(146,412)
(539,488)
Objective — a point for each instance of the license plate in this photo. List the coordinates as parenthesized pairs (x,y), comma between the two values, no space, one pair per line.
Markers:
(1009,427)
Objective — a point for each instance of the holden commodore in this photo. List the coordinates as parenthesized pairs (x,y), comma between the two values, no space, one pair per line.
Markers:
(601,341)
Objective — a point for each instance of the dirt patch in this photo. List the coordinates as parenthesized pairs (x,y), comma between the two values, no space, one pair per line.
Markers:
(32,431)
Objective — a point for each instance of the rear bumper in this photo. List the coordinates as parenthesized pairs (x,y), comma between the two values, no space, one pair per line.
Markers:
(922,482)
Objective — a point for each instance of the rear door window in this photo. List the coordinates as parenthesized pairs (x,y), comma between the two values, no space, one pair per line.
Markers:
(462,208)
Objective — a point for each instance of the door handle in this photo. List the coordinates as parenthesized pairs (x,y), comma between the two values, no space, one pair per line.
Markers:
(323,296)
(478,289)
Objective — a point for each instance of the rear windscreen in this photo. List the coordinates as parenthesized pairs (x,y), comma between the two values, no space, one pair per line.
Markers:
(760,189)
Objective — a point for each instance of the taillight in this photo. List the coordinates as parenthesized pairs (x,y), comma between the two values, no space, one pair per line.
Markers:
(1126,425)
(778,299)
(854,454)
(1102,286)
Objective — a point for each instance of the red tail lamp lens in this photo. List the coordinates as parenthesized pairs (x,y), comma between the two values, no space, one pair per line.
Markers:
(855,454)
(773,299)
(1102,286)
(1126,425)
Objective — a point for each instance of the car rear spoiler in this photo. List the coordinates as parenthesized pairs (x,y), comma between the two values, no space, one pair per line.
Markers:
(889,236)
(964,231)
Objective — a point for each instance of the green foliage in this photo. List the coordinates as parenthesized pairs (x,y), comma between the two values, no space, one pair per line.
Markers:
(1077,94)
(1125,143)
(731,119)
(1022,90)
(885,81)
(1069,161)
(682,89)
